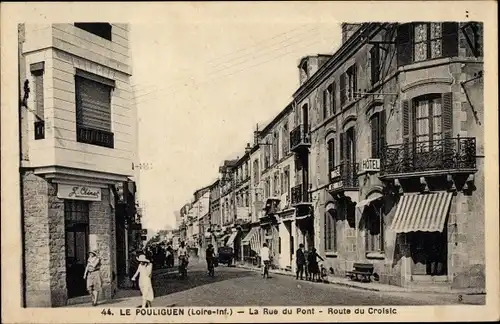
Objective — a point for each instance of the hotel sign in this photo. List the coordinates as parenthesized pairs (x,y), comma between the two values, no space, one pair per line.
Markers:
(335,173)
(371,165)
(335,185)
(78,192)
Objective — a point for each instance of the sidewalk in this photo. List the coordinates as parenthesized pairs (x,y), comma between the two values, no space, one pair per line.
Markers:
(479,294)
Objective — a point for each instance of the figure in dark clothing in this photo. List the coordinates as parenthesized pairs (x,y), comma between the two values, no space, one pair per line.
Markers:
(313,264)
(301,262)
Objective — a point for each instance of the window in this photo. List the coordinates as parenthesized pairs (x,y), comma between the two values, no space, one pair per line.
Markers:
(285,139)
(275,147)
(276,184)
(331,154)
(285,182)
(328,101)
(93,109)
(378,123)
(473,35)
(304,74)
(348,85)
(99,29)
(417,42)
(330,231)
(428,119)
(375,228)
(37,71)
(375,63)
(334,98)
(256,172)
(267,188)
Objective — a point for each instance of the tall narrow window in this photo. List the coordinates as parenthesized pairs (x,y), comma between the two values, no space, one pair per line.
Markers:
(285,141)
(375,228)
(378,133)
(327,101)
(37,71)
(334,98)
(428,119)
(330,231)
(375,63)
(93,109)
(352,83)
(331,155)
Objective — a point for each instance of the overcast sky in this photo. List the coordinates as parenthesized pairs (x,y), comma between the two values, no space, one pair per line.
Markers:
(202,84)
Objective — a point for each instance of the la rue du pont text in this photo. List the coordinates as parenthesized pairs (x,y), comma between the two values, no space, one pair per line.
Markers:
(285,311)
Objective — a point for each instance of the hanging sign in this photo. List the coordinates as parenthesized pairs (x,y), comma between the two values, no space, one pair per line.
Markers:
(78,192)
(371,165)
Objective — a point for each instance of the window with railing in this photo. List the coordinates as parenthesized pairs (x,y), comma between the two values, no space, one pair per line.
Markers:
(299,136)
(93,109)
(345,175)
(299,194)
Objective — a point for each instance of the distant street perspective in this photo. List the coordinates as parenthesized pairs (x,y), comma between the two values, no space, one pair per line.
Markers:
(234,286)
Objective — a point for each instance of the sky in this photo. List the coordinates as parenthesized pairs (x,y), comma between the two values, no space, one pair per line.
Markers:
(202,85)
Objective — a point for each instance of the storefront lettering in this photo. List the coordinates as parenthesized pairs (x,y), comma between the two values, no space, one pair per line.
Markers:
(83,192)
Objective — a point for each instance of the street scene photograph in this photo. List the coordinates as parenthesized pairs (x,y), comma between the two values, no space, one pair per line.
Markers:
(248,160)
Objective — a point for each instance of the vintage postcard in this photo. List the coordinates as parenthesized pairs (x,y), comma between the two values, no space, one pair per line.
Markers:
(315,161)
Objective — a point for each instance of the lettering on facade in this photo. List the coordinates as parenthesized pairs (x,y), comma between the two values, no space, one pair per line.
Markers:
(371,165)
(79,193)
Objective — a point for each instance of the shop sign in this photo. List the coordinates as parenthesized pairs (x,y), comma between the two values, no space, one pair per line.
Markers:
(335,173)
(335,185)
(78,192)
(370,165)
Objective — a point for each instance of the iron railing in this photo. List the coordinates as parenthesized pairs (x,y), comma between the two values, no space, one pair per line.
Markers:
(299,137)
(299,195)
(345,175)
(442,154)
(94,136)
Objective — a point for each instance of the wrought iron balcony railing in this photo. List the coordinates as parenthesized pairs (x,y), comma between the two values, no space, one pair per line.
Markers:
(94,136)
(299,195)
(457,153)
(39,129)
(299,138)
(344,175)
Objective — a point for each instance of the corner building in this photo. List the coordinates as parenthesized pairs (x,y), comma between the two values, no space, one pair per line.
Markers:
(77,128)
(392,139)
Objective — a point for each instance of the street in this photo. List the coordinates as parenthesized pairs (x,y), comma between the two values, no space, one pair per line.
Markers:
(240,287)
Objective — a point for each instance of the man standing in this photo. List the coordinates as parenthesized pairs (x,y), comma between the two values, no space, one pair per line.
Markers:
(301,262)
(266,260)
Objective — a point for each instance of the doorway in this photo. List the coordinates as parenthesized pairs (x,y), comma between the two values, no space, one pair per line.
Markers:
(429,253)
(76,216)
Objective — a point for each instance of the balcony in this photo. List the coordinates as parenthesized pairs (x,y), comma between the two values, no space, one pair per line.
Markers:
(94,136)
(344,177)
(243,213)
(438,157)
(300,196)
(299,139)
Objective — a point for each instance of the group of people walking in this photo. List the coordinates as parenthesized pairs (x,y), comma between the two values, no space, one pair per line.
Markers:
(307,262)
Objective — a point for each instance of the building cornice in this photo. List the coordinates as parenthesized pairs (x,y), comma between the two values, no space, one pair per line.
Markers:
(73,176)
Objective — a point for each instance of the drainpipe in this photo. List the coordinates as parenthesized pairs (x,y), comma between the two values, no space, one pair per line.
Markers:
(21,170)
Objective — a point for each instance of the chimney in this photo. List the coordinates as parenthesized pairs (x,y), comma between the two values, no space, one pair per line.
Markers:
(256,135)
(248,148)
(348,30)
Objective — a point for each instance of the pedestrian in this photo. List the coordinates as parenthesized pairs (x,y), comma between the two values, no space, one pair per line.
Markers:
(93,276)
(265,259)
(144,271)
(313,264)
(301,262)
(306,264)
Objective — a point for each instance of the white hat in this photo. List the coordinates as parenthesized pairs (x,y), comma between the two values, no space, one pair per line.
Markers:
(142,258)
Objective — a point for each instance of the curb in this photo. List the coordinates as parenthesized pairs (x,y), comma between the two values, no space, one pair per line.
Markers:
(389,289)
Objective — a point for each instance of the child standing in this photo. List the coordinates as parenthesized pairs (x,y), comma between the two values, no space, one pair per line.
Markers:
(144,271)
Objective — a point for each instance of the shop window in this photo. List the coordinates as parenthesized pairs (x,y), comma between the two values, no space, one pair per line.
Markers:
(93,109)
(37,72)
(375,228)
(378,123)
(99,29)
(330,231)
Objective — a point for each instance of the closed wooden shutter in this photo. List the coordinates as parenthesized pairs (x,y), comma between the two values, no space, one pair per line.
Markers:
(331,154)
(404,44)
(325,104)
(342,148)
(355,89)
(406,129)
(39,102)
(334,97)
(450,39)
(375,64)
(342,90)
(93,104)
(381,136)
(353,145)
(447,121)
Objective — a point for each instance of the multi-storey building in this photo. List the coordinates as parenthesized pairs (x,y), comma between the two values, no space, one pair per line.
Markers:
(392,134)
(77,126)
(227,182)
(215,220)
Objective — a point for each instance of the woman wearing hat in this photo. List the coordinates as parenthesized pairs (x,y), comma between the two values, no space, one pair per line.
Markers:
(93,276)
(144,272)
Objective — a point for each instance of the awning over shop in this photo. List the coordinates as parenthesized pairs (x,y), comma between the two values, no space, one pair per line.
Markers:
(363,203)
(252,239)
(230,242)
(422,212)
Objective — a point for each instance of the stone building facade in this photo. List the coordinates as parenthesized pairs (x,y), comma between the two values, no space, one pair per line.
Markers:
(395,125)
(77,129)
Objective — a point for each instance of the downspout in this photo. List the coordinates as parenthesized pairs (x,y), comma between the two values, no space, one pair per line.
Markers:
(21,104)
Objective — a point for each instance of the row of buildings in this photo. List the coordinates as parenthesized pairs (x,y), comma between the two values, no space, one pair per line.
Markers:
(78,145)
(378,159)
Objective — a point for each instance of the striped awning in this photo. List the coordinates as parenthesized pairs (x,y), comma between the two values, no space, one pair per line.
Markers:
(363,203)
(422,212)
(230,242)
(252,239)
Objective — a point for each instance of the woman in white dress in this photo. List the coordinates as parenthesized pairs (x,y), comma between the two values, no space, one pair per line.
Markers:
(144,271)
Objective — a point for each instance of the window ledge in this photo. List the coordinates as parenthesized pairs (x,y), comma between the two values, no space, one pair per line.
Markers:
(331,254)
(375,255)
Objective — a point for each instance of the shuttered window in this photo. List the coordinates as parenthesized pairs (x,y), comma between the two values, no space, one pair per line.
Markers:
(418,42)
(378,123)
(331,154)
(343,96)
(37,71)
(334,98)
(375,63)
(93,109)
(330,232)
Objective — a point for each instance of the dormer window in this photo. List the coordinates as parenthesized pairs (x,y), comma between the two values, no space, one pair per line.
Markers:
(304,71)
